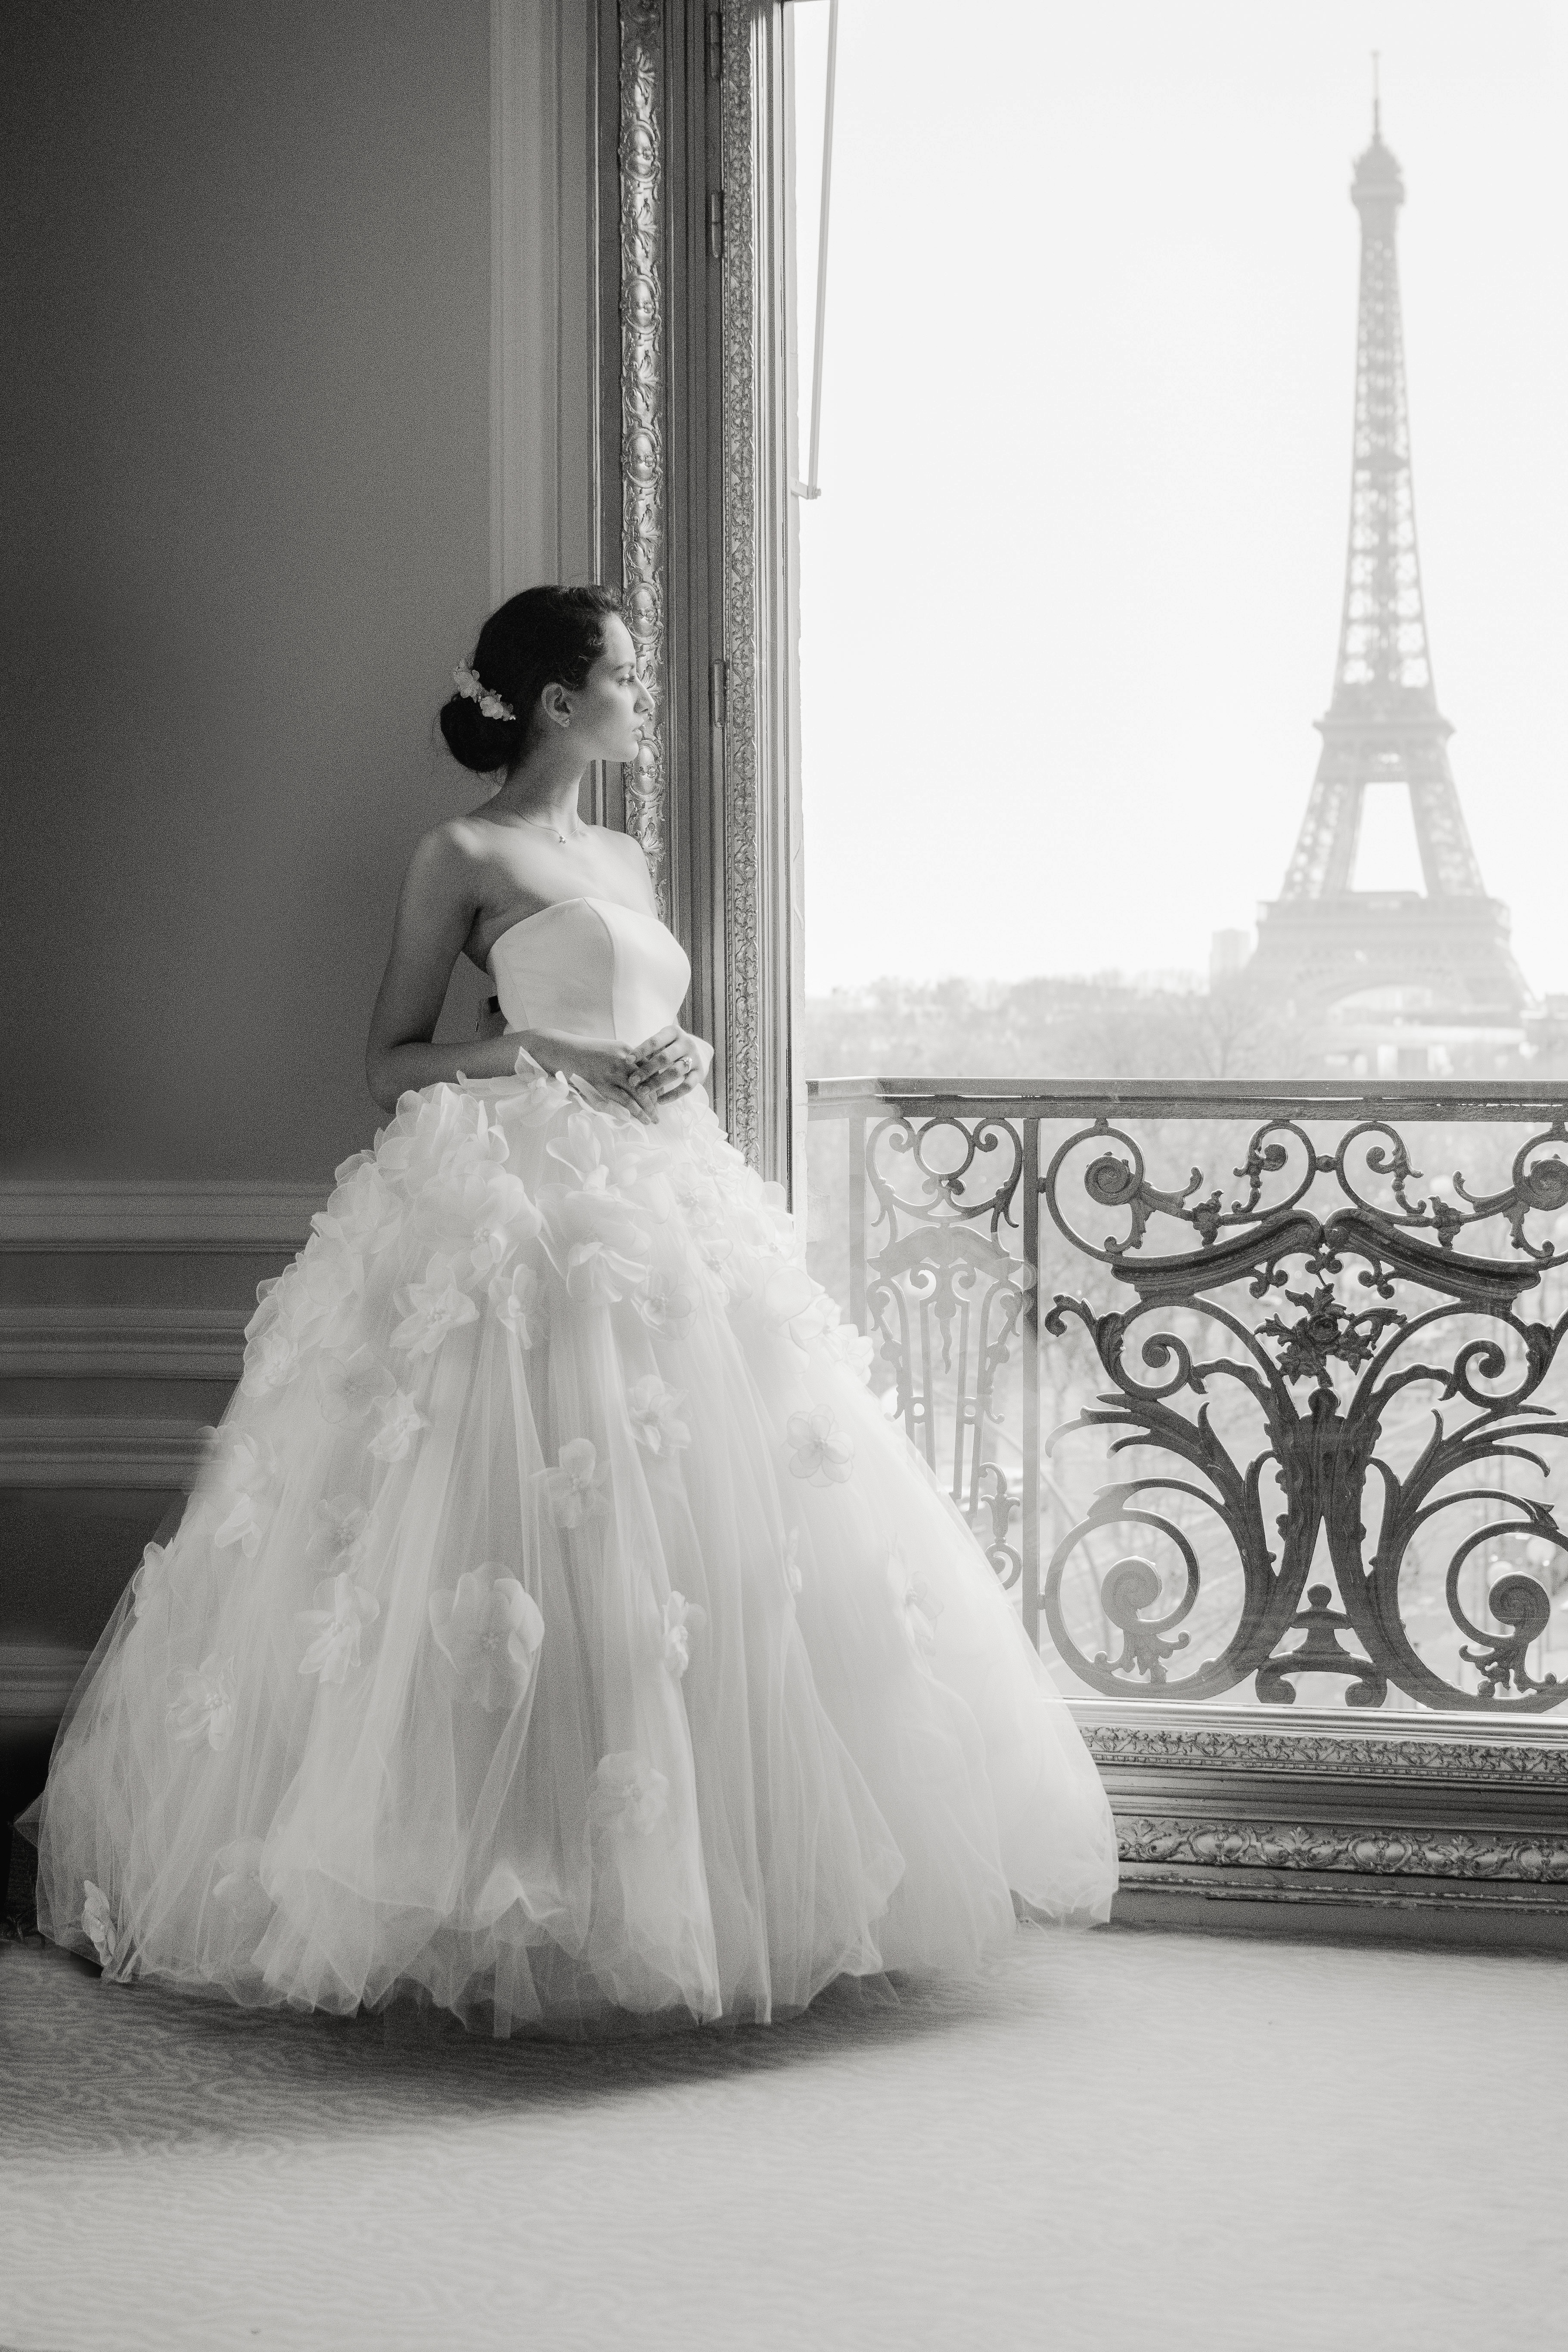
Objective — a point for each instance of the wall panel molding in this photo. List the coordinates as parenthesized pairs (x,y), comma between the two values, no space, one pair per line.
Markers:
(153,1342)
(59,1213)
(123,1450)
(37,1680)
(544,295)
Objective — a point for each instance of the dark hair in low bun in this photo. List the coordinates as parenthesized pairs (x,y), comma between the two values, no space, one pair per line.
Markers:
(545,637)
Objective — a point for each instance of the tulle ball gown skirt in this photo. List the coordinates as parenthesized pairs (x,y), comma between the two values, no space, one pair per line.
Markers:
(558,1631)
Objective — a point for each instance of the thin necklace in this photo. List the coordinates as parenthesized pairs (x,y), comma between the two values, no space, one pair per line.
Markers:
(539,821)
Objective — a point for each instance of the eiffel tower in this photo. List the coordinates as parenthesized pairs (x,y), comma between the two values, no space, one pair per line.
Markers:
(1442,955)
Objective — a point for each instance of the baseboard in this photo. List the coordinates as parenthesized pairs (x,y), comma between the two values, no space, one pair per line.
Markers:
(1474,1919)
(87,1214)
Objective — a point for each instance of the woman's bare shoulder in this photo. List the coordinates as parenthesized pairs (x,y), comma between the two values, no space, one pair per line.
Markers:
(449,866)
(628,850)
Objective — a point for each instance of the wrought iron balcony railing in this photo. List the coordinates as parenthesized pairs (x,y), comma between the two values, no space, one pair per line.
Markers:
(1239,1401)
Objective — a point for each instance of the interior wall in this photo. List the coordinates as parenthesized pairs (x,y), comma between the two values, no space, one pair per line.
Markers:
(245,246)
(246,250)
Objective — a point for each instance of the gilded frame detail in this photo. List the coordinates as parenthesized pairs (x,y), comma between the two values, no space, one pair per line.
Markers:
(644,474)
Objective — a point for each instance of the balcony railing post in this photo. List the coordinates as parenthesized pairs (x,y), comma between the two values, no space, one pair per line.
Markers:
(1030,1335)
(857,1222)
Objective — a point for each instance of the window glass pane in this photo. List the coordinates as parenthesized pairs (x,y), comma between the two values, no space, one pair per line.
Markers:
(1222,1282)
(1072,593)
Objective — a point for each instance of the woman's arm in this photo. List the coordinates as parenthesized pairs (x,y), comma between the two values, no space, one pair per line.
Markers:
(436,911)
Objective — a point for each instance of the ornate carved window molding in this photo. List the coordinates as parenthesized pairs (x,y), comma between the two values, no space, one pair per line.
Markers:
(645,424)
(1448,1829)
(761,741)
(699,528)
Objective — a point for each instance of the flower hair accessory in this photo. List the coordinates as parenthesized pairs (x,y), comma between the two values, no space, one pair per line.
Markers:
(472,688)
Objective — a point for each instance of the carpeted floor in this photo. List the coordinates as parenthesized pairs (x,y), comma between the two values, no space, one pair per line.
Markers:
(1115,2140)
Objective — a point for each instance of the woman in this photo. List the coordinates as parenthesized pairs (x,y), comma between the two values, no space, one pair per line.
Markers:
(558,1631)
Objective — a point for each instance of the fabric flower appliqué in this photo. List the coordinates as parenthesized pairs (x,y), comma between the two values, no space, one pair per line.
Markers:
(99,1924)
(343,1609)
(652,1403)
(595,1238)
(542,1098)
(920,1604)
(516,1300)
(852,1348)
(352,1383)
(488,1631)
(665,1307)
(821,1453)
(246,1469)
(706,1224)
(582,1152)
(205,1707)
(626,1794)
(237,1886)
(364,1213)
(271,1360)
(437,1305)
(502,1216)
(342,1532)
(299,1308)
(438,1135)
(596,1274)
(151,1575)
(479,1204)
(575,1492)
(681,1619)
(793,1302)
(401,1422)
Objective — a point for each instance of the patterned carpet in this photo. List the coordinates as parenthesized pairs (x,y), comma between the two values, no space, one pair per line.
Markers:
(1118,2139)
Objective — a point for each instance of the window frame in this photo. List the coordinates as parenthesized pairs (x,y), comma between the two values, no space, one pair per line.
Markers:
(1453,1827)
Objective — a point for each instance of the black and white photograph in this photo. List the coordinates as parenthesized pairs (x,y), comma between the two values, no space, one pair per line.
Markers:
(784,1175)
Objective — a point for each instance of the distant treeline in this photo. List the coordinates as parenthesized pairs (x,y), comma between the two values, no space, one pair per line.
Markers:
(1107,1027)
(1049,1028)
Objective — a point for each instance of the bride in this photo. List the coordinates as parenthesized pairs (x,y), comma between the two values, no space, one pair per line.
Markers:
(557,1629)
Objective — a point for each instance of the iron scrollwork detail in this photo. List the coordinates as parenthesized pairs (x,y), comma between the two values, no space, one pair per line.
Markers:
(1333,1383)
(945,1298)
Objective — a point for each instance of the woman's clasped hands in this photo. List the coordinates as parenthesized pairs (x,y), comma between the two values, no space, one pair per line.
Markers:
(640,1078)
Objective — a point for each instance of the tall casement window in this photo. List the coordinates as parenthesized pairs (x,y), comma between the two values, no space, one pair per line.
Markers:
(1095,548)
(1175,953)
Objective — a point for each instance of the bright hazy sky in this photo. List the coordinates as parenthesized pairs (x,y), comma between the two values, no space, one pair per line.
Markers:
(1071,592)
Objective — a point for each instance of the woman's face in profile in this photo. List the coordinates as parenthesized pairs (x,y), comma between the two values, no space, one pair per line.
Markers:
(611,709)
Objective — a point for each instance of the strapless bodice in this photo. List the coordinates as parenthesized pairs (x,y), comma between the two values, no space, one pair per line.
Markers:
(590,968)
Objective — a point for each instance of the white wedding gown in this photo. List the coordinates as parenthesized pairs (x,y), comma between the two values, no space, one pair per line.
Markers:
(558,1629)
